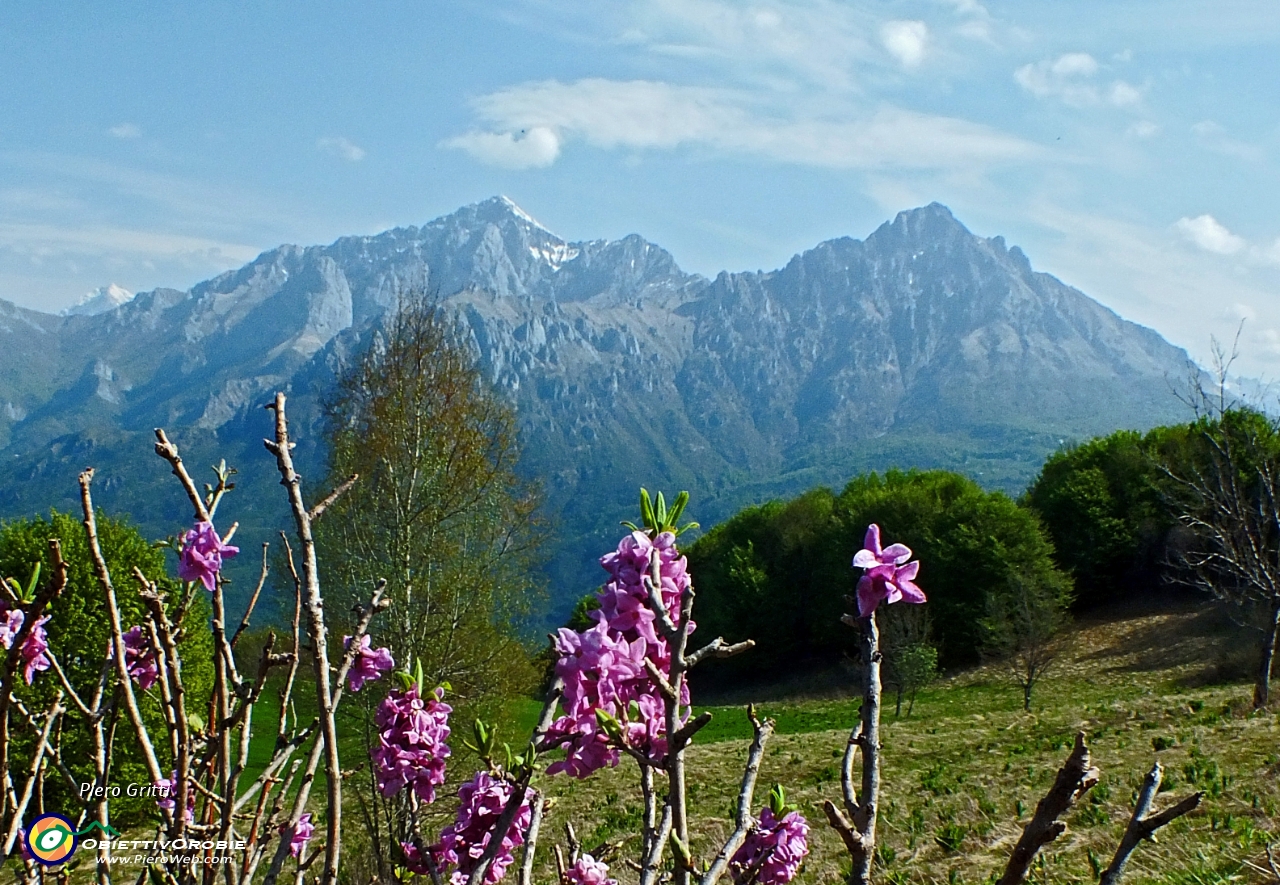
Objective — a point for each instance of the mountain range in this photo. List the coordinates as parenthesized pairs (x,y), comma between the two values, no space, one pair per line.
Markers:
(922,345)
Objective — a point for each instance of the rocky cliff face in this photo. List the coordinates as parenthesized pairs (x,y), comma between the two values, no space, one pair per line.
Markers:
(922,345)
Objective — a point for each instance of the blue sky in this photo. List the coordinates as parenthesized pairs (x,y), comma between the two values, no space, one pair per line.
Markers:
(1131,148)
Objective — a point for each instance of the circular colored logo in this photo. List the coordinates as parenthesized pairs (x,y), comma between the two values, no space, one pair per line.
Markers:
(51,839)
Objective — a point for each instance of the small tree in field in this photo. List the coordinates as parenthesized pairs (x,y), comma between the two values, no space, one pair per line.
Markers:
(439,513)
(910,657)
(1228,494)
(1024,626)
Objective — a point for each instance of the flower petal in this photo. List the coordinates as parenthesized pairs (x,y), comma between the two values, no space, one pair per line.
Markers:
(908,572)
(910,592)
(865,559)
(872,540)
(896,553)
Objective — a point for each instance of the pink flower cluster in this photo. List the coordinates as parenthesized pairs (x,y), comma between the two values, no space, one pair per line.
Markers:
(411,745)
(603,668)
(300,835)
(773,850)
(463,842)
(167,790)
(32,655)
(200,553)
(889,577)
(139,658)
(370,663)
(589,871)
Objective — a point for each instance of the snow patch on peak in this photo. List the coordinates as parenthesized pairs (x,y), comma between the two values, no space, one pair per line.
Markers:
(100,300)
(555,254)
(510,205)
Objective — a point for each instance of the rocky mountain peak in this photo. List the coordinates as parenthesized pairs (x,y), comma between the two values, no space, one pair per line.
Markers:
(922,345)
(100,300)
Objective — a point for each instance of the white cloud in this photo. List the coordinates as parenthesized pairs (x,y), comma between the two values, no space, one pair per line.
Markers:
(1122,94)
(818,42)
(1210,234)
(1073,79)
(1143,129)
(905,41)
(341,148)
(124,130)
(40,242)
(1215,138)
(645,114)
(533,148)
(1272,255)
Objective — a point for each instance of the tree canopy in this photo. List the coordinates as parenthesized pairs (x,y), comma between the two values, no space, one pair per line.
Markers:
(778,573)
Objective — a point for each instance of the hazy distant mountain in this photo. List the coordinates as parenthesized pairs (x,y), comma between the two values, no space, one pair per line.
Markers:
(922,345)
(100,300)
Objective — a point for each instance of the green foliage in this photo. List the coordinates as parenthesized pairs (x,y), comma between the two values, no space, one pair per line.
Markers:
(79,634)
(778,573)
(1104,506)
(438,511)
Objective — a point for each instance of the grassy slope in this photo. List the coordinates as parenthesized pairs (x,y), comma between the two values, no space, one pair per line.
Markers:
(969,766)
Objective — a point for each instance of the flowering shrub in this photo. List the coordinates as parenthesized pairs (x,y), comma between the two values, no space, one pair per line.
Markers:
(463,842)
(603,668)
(772,853)
(32,655)
(167,790)
(139,658)
(411,747)
(589,871)
(200,554)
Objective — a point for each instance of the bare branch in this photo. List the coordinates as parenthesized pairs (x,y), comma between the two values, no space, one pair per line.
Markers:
(1074,779)
(333,496)
(743,821)
(1143,825)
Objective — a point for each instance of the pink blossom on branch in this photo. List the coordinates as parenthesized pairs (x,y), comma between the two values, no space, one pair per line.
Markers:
(200,554)
(773,850)
(411,748)
(300,835)
(889,577)
(603,667)
(463,842)
(589,871)
(167,791)
(369,664)
(139,658)
(32,655)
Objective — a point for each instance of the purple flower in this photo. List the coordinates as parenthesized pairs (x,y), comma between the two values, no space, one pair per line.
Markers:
(773,850)
(416,860)
(167,790)
(589,871)
(300,835)
(201,552)
(887,578)
(139,658)
(369,664)
(411,747)
(463,842)
(32,654)
(603,667)
(872,556)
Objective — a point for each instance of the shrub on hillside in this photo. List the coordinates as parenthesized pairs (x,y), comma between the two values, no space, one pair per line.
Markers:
(79,632)
(779,572)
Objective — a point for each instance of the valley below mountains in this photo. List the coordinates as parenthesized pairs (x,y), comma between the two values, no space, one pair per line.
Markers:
(921,346)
